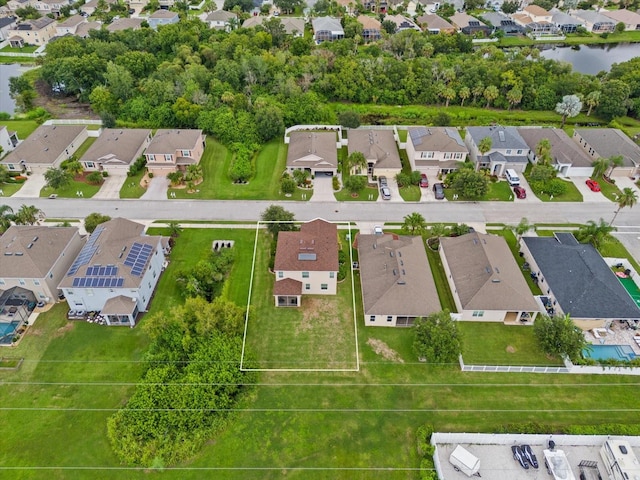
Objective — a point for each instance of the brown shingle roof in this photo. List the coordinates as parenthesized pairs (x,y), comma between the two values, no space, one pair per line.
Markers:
(287,286)
(169,140)
(485,274)
(311,149)
(396,277)
(563,149)
(434,22)
(45,145)
(437,139)
(376,145)
(369,22)
(120,305)
(317,238)
(35,261)
(115,145)
(124,24)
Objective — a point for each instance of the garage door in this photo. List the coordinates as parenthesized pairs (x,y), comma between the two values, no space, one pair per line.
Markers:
(326,173)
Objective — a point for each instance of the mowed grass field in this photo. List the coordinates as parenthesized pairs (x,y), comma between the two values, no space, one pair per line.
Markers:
(302,425)
(318,335)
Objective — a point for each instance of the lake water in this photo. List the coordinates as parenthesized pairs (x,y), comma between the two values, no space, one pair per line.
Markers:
(6,72)
(592,58)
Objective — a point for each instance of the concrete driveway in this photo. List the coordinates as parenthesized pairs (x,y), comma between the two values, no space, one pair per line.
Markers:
(322,189)
(531,197)
(157,189)
(111,187)
(626,182)
(587,195)
(32,186)
(395,192)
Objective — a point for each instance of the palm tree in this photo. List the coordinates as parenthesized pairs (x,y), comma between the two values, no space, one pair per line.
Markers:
(595,233)
(448,94)
(514,97)
(27,215)
(414,222)
(543,151)
(57,178)
(485,145)
(570,106)
(600,166)
(628,198)
(6,215)
(174,228)
(356,159)
(4,174)
(523,227)
(592,100)
(193,173)
(614,162)
(490,94)
(464,94)
(72,166)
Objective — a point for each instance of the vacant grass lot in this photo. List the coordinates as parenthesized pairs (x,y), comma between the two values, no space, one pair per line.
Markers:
(292,421)
(318,335)
(498,191)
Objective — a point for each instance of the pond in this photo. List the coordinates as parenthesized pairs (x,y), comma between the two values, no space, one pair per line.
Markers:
(6,72)
(592,59)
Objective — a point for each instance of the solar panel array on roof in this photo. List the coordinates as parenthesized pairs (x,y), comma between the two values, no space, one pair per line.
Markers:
(87,252)
(474,23)
(100,271)
(138,257)
(98,282)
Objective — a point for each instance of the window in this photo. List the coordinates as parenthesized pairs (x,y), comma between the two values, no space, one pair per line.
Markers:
(478,313)
(36,282)
(372,318)
(458,156)
(89,164)
(305,274)
(509,151)
(307,286)
(186,153)
(22,282)
(324,286)
(168,158)
(332,274)
(280,274)
(389,318)
(1,281)
(519,152)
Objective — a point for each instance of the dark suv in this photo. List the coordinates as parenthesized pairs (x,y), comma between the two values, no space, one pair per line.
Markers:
(438,191)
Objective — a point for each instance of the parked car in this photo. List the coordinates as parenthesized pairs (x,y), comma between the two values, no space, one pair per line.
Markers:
(377,230)
(530,456)
(424,181)
(438,191)
(518,455)
(520,192)
(593,185)
(386,193)
(383,181)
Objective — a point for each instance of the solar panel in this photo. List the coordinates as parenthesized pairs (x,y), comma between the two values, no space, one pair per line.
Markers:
(137,257)
(87,252)
(120,282)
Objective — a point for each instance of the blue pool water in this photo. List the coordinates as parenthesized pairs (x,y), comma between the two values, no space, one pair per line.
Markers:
(605,352)
(6,332)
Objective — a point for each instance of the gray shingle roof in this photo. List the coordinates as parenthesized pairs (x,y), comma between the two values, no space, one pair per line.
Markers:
(509,138)
(312,149)
(326,23)
(563,149)
(167,141)
(395,276)
(45,145)
(115,145)
(581,281)
(608,142)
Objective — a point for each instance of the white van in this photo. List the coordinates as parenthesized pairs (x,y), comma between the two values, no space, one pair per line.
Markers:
(464,461)
(512,177)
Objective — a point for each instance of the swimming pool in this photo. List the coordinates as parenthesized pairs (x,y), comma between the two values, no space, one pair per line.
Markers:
(6,332)
(606,352)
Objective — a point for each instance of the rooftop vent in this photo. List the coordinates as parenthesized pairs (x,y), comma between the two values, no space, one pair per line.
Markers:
(34,239)
(495,280)
(401,282)
(19,254)
(30,245)
(487,269)
(497,271)
(395,272)
(391,254)
(8,254)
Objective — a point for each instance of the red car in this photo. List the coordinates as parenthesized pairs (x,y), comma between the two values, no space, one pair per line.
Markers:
(520,192)
(593,185)
(424,181)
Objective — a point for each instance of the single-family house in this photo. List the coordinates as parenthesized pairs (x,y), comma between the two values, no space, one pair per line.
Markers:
(379,149)
(8,140)
(504,23)
(377,6)
(435,24)
(435,150)
(508,149)
(138,5)
(14,5)
(70,25)
(577,281)
(485,280)
(36,258)
(564,22)
(402,23)
(89,8)
(50,7)
(396,280)
(630,19)
(16,305)
(221,20)
(537,13)
(115,150)
(127,23)
(327,29)
(415,7)
(116,272)
(371,28)
(306,262)
(292,25)
(7,24)
(174,149)
(607,143)
(32,32)
(84,28)
(162,17)
(316,152)
(45,148)
(469,25)
(566,157)
(594,22)
(536,28)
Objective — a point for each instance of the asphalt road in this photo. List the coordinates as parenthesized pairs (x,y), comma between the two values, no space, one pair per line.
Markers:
(239,210)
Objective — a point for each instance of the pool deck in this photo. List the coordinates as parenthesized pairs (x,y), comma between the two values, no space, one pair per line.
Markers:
(617,334)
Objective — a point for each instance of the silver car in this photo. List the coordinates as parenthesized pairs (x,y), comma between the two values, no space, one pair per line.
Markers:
(386,193)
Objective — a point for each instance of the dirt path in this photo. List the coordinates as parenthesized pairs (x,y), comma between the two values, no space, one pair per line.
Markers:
(62,107)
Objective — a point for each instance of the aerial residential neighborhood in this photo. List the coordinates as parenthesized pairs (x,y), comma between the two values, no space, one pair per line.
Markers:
(329,239)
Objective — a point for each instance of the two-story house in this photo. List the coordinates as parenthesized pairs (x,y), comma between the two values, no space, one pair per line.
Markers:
(174,149)
(379,149)
(435,150)
(7,24)
(306,263)
(162,17)
(371,28)
(116,272)
(508,149)
(221,20)
(50,7)
(70,25)
(8,140)
(32,32)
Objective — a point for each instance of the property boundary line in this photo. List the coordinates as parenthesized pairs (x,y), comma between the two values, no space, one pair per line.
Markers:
(246,322)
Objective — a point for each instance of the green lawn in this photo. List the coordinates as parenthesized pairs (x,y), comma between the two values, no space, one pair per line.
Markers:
(270,163)
(410,193)
(498,191)
(439,277)
(318,335)
(132,188)
(25,49)
(489,343)
(613,248)
(292,420)
(510,237)
(24,128)
(571,195)
(9,189)
(609,190)
(70,190)
(84,147)
(21,60)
